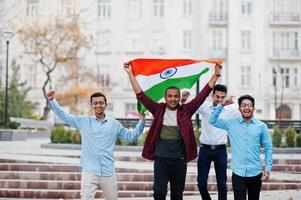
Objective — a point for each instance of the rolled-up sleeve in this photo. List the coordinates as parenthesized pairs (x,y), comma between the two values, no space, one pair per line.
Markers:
(71,120)
(131,134)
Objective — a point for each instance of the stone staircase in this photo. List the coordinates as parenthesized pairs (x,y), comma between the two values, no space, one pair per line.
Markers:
(40,180)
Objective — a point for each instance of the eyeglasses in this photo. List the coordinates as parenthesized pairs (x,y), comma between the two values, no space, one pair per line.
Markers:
(95,103)
(246,105)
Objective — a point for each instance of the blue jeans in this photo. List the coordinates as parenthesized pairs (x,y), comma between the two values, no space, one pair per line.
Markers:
(219,157)
(169,170)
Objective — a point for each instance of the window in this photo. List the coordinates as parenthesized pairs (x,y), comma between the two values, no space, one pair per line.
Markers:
(187,40)
(33,75)
(245,76)
(157,42)
(285,76)
(286,6)
(110,107)
(130,107)
(134,42)
(104,9)
(286,43)
(135,9)
(2,8)
(68,7)
(158,8)
(246,40)
(187,7)
(296,77)
(32,8)
(217,39)
(218,10)
(103,74)
(103,42)
(246,7)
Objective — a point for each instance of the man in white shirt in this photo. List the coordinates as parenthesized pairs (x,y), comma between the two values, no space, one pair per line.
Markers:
(213,144)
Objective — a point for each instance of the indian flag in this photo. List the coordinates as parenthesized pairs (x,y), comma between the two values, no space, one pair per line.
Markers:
(156,75)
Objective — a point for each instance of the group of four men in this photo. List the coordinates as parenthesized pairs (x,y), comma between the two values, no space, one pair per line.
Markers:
(171,142)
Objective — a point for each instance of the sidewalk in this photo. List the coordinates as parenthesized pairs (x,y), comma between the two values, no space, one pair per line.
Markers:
(30,150)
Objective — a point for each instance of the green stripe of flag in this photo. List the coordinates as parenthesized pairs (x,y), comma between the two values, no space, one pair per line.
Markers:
(157,92)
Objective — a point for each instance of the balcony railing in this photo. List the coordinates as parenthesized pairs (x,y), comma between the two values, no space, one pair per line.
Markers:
(218,17)
(285,18)
(286,54)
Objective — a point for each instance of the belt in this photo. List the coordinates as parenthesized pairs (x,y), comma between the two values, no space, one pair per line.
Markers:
(214,147)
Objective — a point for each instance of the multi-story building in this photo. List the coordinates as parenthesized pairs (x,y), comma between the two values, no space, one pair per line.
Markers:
(259,42)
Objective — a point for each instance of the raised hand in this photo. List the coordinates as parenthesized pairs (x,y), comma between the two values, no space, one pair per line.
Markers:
(128,68)
(50,95)
(184,96)
(229,100)
(218,70)
(142,116)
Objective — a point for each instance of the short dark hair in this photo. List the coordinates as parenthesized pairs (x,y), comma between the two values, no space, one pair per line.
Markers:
(98,94)
(220,87)
(172,88)
(249,97)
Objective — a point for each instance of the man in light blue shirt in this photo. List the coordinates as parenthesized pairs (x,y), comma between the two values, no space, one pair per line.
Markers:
(246,134)
(99,133)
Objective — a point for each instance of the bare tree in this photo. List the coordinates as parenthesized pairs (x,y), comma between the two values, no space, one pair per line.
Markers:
(51,45)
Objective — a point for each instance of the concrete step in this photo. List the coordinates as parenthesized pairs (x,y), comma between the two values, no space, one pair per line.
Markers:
(8,185)
(141,159)
(36,175)
(46,167)
(71,194)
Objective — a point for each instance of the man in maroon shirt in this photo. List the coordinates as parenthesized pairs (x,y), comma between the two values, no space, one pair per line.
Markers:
(170,140)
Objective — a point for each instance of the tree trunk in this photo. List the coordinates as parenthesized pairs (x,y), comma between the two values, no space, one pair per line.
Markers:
(48,80)
(45,113)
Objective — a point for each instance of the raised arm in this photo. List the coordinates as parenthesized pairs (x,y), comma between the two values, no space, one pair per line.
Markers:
(71,120)
(151,105)
(194,104)
(216,121)
(135,85)
(132,135)
(215,76)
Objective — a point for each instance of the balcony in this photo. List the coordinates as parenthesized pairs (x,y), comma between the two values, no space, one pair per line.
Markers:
(285,54)
(289,18)
(217,53)
(218,18)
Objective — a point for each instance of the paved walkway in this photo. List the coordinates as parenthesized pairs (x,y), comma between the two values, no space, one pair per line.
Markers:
(30,151)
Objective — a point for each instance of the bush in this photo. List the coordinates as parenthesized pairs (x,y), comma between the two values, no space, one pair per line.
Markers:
(290,134)
(76,137)
(13,125)
(276,137)
(118,141)
(298,140)
(57,133)
(197,134)
(283,145)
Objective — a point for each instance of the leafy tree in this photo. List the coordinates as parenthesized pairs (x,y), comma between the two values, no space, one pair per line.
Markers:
(18,106)
(52,44)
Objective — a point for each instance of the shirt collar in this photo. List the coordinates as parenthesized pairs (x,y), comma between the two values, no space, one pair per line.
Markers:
(104,120)
(211,106)
(253,120)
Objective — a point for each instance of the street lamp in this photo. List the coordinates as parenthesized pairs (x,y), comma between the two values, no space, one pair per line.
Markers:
(275,90)
(7,36)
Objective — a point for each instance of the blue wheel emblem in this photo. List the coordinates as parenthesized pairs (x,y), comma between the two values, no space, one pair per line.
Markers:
(168,73)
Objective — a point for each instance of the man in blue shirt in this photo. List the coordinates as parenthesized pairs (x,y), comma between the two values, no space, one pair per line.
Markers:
(99,133)
(246,134)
